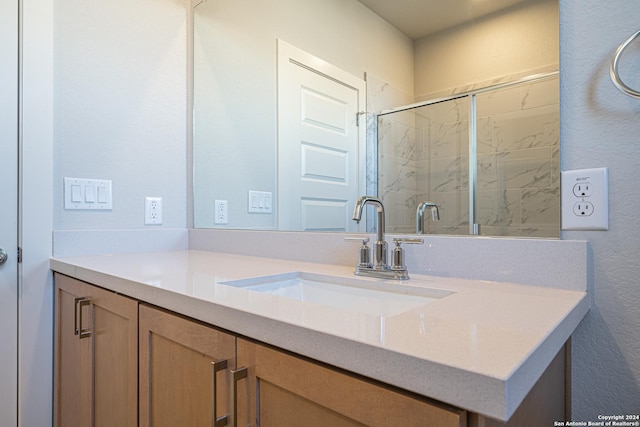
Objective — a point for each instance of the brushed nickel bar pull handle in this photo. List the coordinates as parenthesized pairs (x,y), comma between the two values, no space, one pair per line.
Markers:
(237,375)
(76,331)
(76,301)
(84,333)
(215,368)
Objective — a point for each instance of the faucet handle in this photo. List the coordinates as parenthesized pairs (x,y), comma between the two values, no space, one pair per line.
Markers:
(364,240)
(414,241)
(364,253)
(398,252)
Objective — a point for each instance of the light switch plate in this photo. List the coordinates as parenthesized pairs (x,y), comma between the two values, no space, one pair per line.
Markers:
(260,202)
(87,194)
(585,200)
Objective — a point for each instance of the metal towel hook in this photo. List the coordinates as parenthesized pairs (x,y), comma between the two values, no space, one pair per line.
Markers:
(613,71)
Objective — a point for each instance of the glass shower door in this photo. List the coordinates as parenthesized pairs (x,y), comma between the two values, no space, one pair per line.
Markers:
(489,158)
(423,155)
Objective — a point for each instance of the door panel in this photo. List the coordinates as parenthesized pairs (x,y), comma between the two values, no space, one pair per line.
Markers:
(319,143)
(115,359)
(184,371)
(96,356)
(72,371)
(9,210)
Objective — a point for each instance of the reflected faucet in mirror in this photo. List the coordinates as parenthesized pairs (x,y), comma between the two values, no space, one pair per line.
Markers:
(380,269)
(435,215)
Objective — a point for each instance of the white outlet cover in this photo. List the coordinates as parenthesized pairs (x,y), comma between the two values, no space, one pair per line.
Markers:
(221,212)
(153,210)
(585,199)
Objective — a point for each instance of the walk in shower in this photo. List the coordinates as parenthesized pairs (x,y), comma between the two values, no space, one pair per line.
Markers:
(488,158)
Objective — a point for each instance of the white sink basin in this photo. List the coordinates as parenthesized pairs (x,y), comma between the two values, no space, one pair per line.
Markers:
(370,296)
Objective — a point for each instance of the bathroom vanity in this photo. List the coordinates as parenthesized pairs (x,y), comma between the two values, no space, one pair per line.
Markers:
(153,338)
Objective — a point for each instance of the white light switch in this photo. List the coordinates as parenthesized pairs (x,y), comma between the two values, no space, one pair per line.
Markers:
(87,194)
(102,194)
(76,193)
(260,202)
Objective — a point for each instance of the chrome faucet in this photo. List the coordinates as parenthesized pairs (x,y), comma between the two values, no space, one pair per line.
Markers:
(380,246)
(435,215)
(380,268)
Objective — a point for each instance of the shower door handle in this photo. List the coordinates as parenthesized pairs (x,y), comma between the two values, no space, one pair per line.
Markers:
(3,256)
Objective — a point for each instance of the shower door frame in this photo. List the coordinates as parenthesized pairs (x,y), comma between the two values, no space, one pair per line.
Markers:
(474,226)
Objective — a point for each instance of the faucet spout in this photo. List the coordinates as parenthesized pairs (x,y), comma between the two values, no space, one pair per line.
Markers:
(380,247)
(361,203)
(435,215)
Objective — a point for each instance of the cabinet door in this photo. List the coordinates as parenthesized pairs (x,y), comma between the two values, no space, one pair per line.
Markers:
(283,390)
(96,356)
(184,371)
(72,372)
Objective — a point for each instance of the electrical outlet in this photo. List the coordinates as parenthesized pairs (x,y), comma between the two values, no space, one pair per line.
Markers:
(221,214)
(585,201)
(153,210)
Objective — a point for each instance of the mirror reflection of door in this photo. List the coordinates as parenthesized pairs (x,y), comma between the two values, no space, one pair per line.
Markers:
(319,141)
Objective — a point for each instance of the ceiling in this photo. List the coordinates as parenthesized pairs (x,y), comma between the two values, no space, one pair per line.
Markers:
(419,18)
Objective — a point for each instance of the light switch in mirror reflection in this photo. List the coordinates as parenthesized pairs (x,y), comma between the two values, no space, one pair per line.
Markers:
(407,158)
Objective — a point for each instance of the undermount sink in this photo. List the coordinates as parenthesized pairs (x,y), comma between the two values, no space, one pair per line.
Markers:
(376,297)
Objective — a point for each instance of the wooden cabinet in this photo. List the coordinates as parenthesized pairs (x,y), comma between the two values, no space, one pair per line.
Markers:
(121,363)
(96,356)
(184,371)
(283,390)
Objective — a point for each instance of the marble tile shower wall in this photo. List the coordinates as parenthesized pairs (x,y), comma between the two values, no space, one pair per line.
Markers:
(424,155)
(399,160)
(518,190)
(390,171)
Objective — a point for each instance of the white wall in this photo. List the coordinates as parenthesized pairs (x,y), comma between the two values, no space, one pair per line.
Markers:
(120,107)
(519,41)
(600,127)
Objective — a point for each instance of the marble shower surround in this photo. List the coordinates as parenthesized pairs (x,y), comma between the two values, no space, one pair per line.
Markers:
(423,155)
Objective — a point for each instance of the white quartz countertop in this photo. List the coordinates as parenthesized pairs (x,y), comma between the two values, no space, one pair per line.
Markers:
(481,348)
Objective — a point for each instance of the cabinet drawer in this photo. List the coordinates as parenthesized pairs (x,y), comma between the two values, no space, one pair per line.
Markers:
(292,391)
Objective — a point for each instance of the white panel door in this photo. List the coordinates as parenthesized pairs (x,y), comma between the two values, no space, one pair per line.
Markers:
(320,145)
(8,211)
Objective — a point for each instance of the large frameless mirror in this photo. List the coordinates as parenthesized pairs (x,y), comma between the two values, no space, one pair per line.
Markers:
(301,106)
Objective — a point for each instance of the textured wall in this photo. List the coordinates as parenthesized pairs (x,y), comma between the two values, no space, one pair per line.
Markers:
(600,127)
